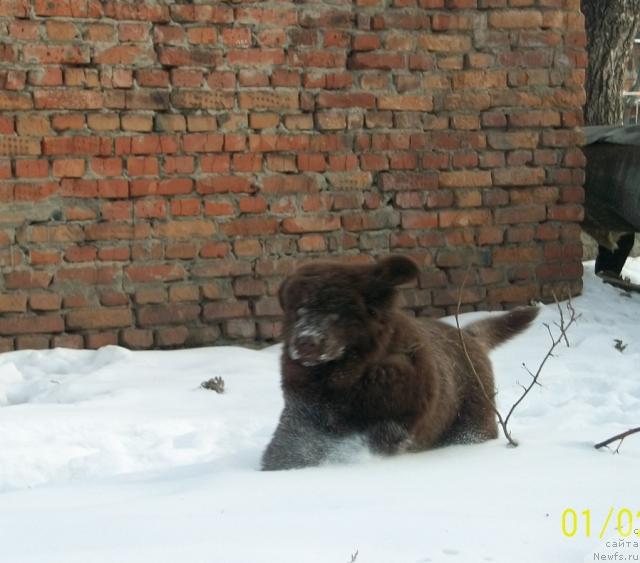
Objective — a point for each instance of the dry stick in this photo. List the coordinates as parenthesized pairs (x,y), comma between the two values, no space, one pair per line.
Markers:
(620,437)
(534,376)
(490,400)
(554,342)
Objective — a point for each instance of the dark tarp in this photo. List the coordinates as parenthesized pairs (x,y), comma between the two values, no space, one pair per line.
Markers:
(612,184)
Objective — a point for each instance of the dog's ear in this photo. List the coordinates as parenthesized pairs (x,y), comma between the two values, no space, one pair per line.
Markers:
(385,276)
(282,293)
(395,270)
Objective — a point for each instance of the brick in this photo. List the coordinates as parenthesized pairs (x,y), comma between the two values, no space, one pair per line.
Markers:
(74,341)
(568,212)
(445,43)
(184,293)
(174,313)
(186,229)
(297,122)
(136,122)
(185,207)
(32,342)
(13,303)
(15,101)
(202,13)
(103,122)
(237,37)
(266,99)
(45,301)
(247,247)
(38,257)
(77,145)
(264,120)
(241,329)
(89,275)
(31,324)
(465,179)
(17,8)
(99,318)
(135,338)
(346,100)
(150,295)
(515,19)
(214,250)
(517,254)
(521,214)
(419,220)
(32,168)
(143,99)
(114,254)
(169,337)
(68,168)
(154,273)
(311,224)
(312,243)
(170,123)
(218,208)
(142,166)
(195,99)
(15,146)
(255,57)
(464,218)
(250,226)
(32,125)
(518,176)
(67,99)
(56,54)
(80,254)
(406,103)
(510,141)
(366,61)
(372,221)
(224,184)
(225,310)
(97,340)
(61,31)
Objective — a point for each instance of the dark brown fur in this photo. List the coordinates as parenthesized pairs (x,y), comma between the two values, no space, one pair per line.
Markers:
(354,364)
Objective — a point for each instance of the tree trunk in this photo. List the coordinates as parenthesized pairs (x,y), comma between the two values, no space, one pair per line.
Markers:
(611,27)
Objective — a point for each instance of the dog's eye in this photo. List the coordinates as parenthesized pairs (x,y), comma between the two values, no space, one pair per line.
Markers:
(373,312)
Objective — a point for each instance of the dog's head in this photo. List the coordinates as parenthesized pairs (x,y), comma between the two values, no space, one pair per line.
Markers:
(331,310)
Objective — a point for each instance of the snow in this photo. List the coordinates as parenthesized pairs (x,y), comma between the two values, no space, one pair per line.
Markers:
(113,455)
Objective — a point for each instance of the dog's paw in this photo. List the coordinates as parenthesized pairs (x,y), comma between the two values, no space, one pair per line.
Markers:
(388,437)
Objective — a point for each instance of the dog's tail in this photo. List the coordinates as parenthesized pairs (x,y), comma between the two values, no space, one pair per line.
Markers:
(493,331)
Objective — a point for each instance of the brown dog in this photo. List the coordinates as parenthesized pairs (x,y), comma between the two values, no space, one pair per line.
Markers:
(354,364)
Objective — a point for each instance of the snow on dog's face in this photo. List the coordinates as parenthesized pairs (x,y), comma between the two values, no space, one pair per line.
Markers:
(334,309)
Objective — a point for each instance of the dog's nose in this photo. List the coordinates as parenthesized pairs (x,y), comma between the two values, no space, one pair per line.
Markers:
(307,346)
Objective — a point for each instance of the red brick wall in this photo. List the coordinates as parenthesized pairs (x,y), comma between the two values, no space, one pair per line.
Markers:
(164,164)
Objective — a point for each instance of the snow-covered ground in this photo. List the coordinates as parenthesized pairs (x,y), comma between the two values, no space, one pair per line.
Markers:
(119,456)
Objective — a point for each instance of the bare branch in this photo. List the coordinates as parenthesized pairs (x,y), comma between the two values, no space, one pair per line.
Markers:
(490,400)
(572,313)
(620,437)
(563,327)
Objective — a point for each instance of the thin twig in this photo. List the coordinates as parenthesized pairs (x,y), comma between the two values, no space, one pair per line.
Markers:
(563,326)
(490,400)
(620,437)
